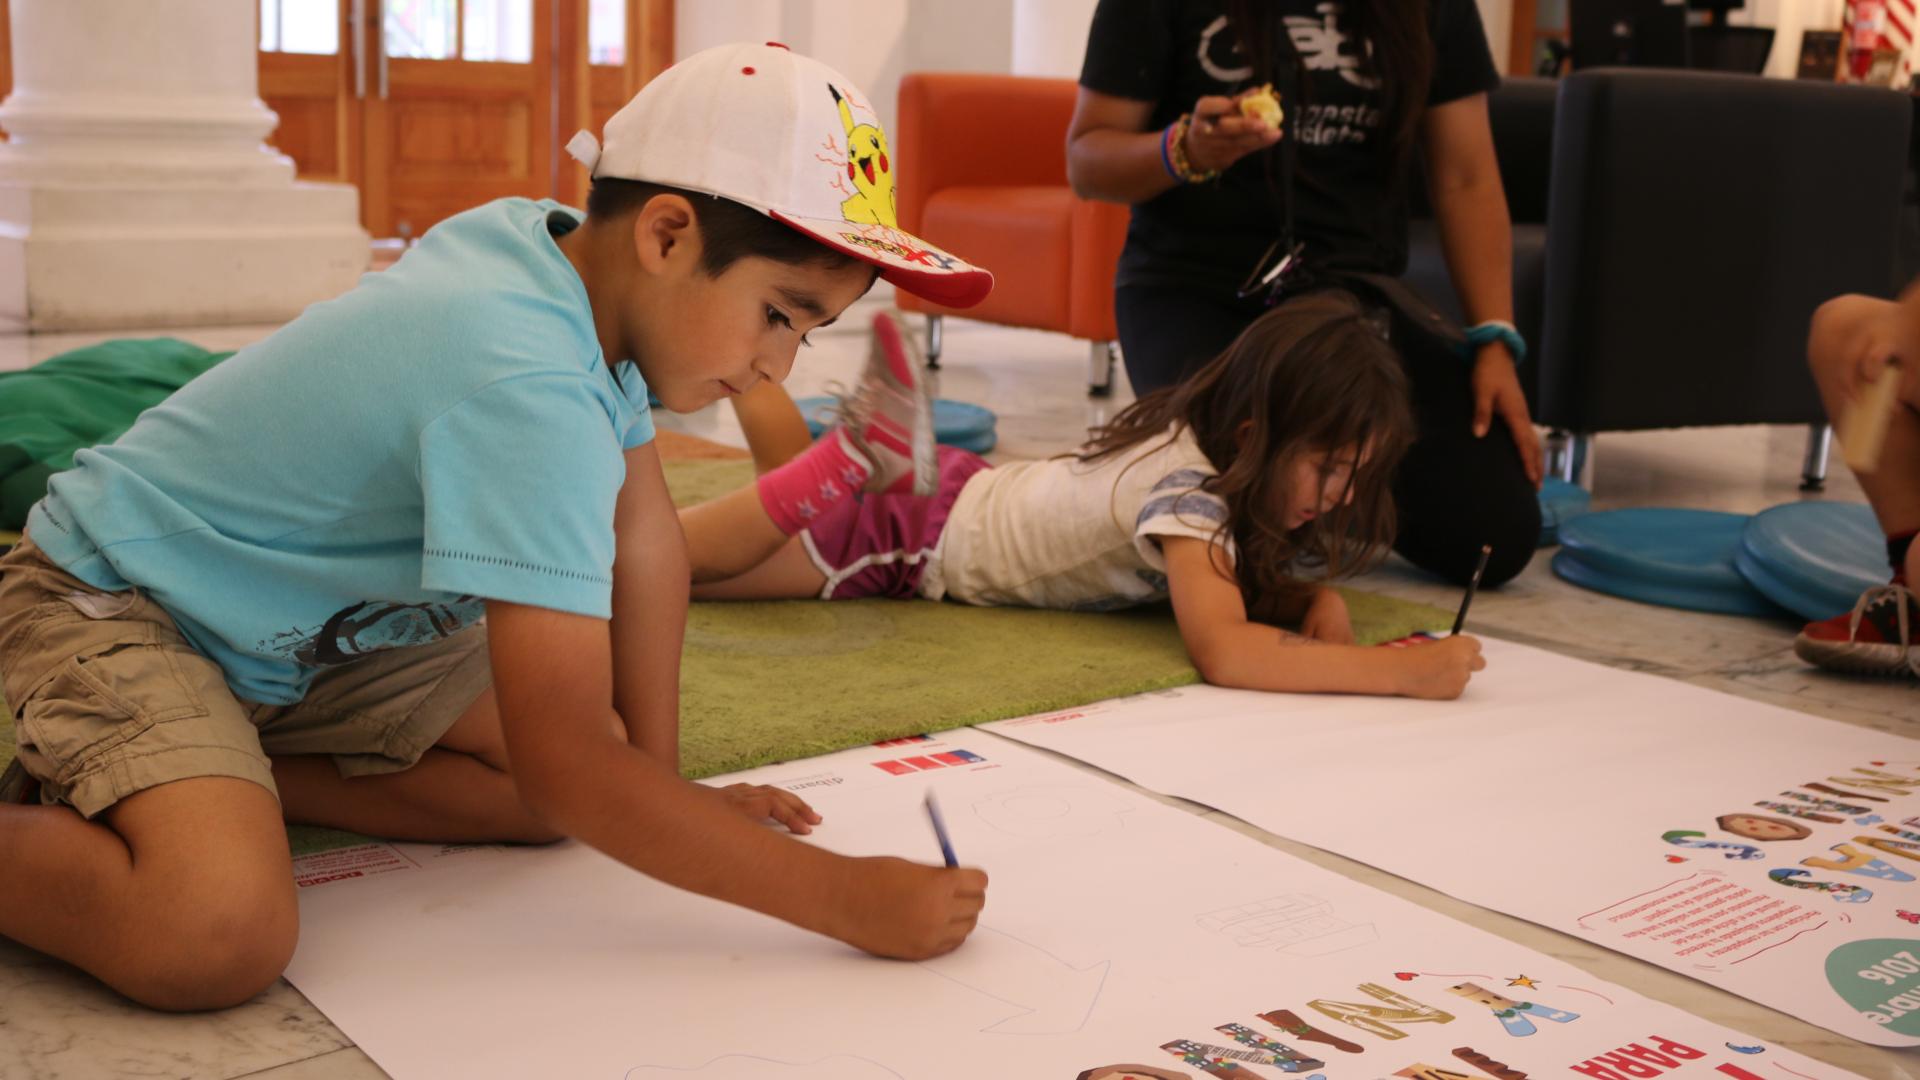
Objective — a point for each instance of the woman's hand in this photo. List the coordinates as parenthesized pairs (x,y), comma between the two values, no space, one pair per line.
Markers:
(1327,619)
(1496,390)
(1219,135)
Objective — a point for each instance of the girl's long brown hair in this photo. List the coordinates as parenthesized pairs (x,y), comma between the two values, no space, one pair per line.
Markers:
(1314,374)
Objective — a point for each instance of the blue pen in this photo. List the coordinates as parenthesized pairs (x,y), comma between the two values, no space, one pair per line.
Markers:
(940,831)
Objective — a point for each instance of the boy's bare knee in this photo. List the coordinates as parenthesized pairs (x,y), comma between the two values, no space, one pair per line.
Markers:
(203,988)
(1832,321)
(198,974)
(214,953)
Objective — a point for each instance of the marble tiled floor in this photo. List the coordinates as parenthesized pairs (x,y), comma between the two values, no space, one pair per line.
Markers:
(56,1023)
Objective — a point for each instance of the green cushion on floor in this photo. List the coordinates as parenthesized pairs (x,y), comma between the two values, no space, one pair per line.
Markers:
(774,681)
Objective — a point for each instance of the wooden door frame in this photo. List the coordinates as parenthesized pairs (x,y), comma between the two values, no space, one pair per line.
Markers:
(349,141)
(1521,42)
(574,86)
(6,53)
(418,81)
(649,40)
(648,52)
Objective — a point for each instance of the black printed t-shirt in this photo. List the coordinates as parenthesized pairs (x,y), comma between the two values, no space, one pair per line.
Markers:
(1348,209)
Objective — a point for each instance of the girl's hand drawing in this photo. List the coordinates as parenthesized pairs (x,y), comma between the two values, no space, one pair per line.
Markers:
(1327,619)
(760,802)
(1439,670)
(903,910)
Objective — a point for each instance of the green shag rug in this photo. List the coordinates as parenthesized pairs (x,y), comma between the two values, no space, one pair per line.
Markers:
(774,681)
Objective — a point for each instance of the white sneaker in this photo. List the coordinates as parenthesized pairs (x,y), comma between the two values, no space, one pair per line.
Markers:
(889,415)
(1880,636)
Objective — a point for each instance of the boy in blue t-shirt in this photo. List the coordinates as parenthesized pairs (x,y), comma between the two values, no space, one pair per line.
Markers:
(264,602)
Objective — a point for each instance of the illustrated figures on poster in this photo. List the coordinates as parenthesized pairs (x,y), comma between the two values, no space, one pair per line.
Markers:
(1516,1016)
(1840,891)
(1762,827)
(1690,839)
(1133,1072)
(1854,861)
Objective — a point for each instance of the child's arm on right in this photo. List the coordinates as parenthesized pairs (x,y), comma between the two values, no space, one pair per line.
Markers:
(575,771)
(1231,650)
(1868,333)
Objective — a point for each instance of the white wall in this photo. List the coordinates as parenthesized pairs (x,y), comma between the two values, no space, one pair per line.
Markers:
(1050,36)
(871,42)
(1497,17)
(707,23)
(961,35)
(1789,19)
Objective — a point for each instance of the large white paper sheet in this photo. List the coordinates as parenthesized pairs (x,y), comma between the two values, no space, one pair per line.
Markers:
(1765,851)
(1122,938)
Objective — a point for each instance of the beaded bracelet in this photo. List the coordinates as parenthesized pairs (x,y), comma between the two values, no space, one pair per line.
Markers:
(1173,153)
(1497,330)
(1166,153)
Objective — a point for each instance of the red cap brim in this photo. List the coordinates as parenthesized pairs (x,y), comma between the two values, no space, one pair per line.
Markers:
(904,259)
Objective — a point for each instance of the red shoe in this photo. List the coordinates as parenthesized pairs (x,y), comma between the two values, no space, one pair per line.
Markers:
(1876,638)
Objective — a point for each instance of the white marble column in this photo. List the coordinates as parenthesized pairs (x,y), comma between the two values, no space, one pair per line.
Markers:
(135,189)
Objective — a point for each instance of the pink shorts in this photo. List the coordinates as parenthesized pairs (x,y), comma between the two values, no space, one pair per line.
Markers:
(878,545)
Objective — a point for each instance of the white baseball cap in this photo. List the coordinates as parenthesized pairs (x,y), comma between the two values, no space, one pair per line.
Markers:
(790,137)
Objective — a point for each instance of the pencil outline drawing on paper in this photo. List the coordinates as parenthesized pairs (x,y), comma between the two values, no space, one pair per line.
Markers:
(1299,924)
(1052,811)
(1045,990)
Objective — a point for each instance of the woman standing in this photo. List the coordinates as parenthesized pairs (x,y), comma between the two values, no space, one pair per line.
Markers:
(1221,200)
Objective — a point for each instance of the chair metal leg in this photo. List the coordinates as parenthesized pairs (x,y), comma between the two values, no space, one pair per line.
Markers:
(1559,453)
(1570,456)
(1813,471)
(1100,368)
(933,340)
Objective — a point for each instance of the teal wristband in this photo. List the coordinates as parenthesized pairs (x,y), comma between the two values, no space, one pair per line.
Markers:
(1496,330)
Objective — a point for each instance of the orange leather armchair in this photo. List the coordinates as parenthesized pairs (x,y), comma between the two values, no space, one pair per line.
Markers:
(983,174)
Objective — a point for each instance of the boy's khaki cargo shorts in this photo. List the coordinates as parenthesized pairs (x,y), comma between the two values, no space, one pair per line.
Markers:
(108,699)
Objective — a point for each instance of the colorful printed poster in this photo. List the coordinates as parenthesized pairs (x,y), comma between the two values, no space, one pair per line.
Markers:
(1767,852)
(1122,938)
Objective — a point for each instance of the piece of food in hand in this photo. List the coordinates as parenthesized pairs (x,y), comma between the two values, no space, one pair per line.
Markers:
(1264,106)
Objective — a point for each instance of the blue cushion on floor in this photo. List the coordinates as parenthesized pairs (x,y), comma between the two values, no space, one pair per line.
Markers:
(965,425)
(818,412)
(955,423)
(1814,558)
(1560,502)
(1676,558)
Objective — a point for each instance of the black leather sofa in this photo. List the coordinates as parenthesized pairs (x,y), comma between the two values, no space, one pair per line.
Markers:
(1673,233)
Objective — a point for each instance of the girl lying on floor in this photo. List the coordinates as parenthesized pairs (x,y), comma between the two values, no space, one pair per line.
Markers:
(1238,494)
